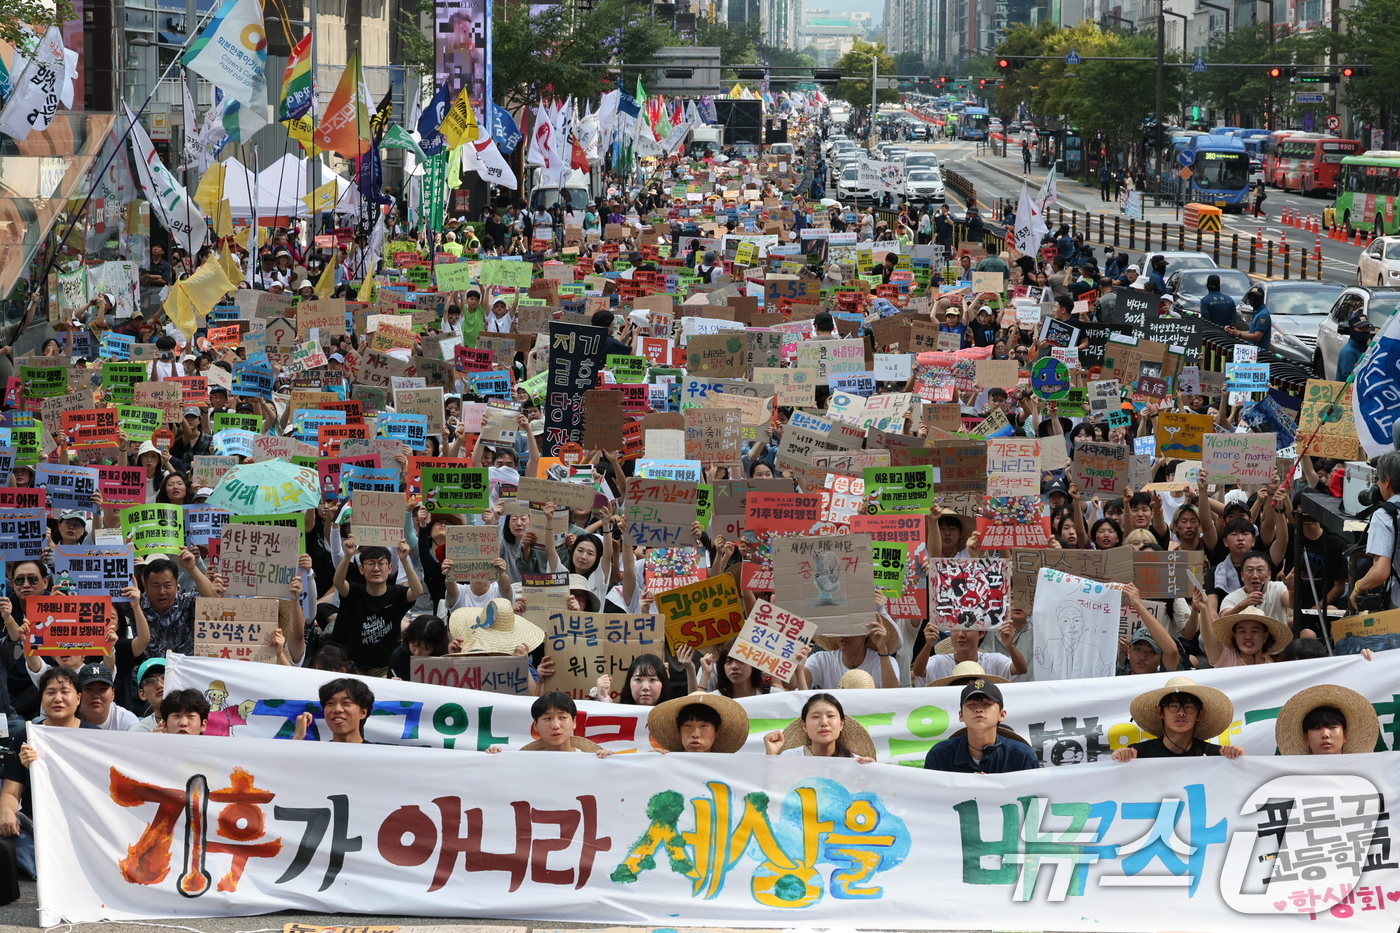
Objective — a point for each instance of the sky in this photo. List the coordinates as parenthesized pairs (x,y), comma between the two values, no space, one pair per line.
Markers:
(876,8)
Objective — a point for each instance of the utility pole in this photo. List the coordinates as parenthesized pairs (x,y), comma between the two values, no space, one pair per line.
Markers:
(1157,133)
(874,81)
(313,157)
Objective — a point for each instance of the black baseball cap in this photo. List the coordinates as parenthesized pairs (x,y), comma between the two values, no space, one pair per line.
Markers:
(94,674)
(981,687)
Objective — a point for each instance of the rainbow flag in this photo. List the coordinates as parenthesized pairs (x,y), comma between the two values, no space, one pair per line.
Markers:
(298,90)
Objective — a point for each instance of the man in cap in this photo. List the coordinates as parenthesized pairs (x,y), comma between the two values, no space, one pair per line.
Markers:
(98,695)
(952,323)
(1217,307)
(984,328)
(1182,715)
(193,440)
(1150,648)
(150,686)
(709,266)
(984,747)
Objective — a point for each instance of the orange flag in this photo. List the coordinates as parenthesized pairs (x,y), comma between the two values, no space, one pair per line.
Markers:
(345,127)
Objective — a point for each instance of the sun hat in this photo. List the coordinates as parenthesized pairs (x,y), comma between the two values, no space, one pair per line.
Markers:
(1363,726)
(733,729)
(945,645)
(147,447)
(856,680)
(577,584)
(832,642)
(1224,628)
(964,670)
(1216,716)
(853,738)
(493,629)
(579,743)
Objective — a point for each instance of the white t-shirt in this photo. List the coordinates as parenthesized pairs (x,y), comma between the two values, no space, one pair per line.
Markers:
(466,599)
(941,665)
(826,668)
(119,719)
(1272,606)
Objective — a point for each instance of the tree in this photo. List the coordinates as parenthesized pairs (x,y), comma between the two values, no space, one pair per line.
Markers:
(1372,34)
(543,55)
(1236,94)
(909,63)
(38,14)
(415,48)
(856,90)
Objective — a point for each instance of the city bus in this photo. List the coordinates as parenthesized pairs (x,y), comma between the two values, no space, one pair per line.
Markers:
(1220,173)
(1366,189)
(1311,161)
(974,123)
(1268,151)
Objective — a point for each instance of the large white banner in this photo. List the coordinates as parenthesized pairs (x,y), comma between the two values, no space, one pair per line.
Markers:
(1081,725)
(882,176)
(137,826)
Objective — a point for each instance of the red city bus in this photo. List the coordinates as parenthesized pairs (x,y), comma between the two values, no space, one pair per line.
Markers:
(1311,161)
(1268,151)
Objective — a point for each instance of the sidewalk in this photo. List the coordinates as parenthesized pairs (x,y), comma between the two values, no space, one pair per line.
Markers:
(1071,193)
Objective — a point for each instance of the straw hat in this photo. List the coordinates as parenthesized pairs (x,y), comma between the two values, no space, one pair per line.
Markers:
(578,584)
(968,523)
(494,629)
(1363,726)
(832,642)
(945,645)
(579,743)
(733,729)
(853,738)
(856,680)
(1224,628)
(1217,715)
(964,670)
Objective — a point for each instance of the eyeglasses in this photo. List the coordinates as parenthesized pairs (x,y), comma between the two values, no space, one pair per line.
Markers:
(28,579)
(376,562)
(1180,707)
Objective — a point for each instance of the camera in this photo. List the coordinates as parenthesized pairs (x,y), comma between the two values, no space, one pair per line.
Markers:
(1370,496)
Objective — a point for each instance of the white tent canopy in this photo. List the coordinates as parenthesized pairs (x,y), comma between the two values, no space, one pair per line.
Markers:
(279,189)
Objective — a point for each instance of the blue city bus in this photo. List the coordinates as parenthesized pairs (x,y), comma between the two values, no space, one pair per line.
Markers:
(974,123)
(1220,172)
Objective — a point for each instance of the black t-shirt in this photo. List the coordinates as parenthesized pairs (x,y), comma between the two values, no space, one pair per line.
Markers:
(1157,748)
(1327,563)
(983,335)
(12,770)
(369,626)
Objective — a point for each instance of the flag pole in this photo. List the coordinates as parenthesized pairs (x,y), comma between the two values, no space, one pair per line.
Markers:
(312,160)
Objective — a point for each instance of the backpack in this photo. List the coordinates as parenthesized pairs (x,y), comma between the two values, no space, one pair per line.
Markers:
(1378,599)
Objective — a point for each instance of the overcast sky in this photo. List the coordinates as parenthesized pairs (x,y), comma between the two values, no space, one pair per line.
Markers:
(876,8)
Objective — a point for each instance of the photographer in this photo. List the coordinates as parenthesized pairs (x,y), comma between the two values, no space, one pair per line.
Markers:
(1380,543)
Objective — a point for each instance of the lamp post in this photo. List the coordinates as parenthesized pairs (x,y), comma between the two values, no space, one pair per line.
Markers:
(1221,8)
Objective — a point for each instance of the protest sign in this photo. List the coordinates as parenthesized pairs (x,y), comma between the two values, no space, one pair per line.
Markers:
(23,533)
(425,402)
(167,397)
(154,529)
(1100,469)
(575,354)
(236,629)
(1013,466)
(259,560)
(1246,459)
(1327,423)
(827,579)
(899,489)
(703,613)
(970,593)
(660,512)
(89,428)
(457,491)
(1179,434)
(203,523)
(206,470)
(771,639)
(94,570)
(121,485)
(570,495)
(1076,627)
(68,487)
(69,625)
(473,550)
(505,675)
(378,518)
(586,646)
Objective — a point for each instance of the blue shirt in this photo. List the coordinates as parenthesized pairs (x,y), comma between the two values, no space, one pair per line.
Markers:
(1002,756)
(1261,323)
(1218,308)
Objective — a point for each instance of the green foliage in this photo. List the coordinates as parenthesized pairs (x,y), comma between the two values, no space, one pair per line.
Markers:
(1235,92)
(39,15)
(1372,34)
(856,90)
(909,63)
(737,42)
(542,55)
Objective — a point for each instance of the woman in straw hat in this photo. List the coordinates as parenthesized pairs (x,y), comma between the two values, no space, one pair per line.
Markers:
(1327,720)
(822,731)
(495,629)
(1245,637)
(699,722)
(1182,715)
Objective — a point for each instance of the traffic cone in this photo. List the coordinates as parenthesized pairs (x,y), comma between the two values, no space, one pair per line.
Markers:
(1317,249)
(1258,237)
(1359,241)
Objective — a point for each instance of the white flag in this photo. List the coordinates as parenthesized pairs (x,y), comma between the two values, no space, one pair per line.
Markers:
(232,52)
(486,160)
(1046,196)
(191,127)
(37,90)
(1030,224)
(171,204)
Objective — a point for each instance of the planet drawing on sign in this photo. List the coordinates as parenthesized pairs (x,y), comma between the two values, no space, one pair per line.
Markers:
(1050,379)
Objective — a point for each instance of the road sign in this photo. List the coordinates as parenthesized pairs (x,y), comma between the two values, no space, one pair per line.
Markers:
(1186,157)
(1072,58)
(1185,173)
(1306,98)
(1200,65)
(1334,122)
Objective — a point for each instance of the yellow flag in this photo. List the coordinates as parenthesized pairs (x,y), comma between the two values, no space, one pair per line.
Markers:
(222,216)
(367,288)
(197,295)
(322,199)
(229,261)
(301,129)
(211,189)
(459,126)
(736,92)
(325,285)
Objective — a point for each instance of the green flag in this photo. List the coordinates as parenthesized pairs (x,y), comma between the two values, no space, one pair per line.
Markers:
(396,137)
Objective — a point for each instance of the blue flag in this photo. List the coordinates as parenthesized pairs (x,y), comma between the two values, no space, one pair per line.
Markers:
(505,131)
(432,141)
(627,104)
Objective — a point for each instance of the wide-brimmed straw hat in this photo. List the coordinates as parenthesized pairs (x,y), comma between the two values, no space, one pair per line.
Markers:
(1363,726)
(856,680)
(965,669)
(832,642)
(494,628)
(579,743)
(853,738)
(1224,628)
(1217,714)
(579,584)
(733,729)
(946,646)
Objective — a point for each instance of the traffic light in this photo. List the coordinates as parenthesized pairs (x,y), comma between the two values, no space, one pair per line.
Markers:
(1356,71)
(1277,72)
(1006,63)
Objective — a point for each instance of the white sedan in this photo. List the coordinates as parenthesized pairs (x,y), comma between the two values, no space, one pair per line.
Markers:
(1379,264)
(923,184)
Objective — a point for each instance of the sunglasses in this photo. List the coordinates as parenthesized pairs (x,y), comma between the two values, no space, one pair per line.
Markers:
(27,579)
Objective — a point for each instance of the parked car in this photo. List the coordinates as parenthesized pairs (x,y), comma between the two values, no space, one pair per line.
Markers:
(925,184)
(1176,261)
(1188,286)
(1378,303)
(1379,264)
(1297,309)
(782,149)
(1013,127)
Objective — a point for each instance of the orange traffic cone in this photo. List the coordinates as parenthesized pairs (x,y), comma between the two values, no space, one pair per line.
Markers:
(1359,240)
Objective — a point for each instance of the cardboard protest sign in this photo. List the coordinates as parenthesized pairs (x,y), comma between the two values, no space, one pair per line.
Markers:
(1327,423)
(970,593)
(703,613)
(238,629)
(69,625)
(1076,627)
(771,639)
(1100,469)
(585,646)
(829,579)
(603,420)
(509,675)
(259,560)
(1246,459)
(564,495)
(718,355)
(472,550)
(206,470)
(426,402)
(1013,466)
(1179,434)
(168,397)
(1164,574)
(660,512)
(377,518)
(52,409)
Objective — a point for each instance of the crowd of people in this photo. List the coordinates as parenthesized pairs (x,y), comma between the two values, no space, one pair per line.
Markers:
(363,612)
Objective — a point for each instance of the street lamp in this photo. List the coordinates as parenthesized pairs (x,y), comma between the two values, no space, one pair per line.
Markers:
(1184,20)
(1115,18)
(1221,8)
